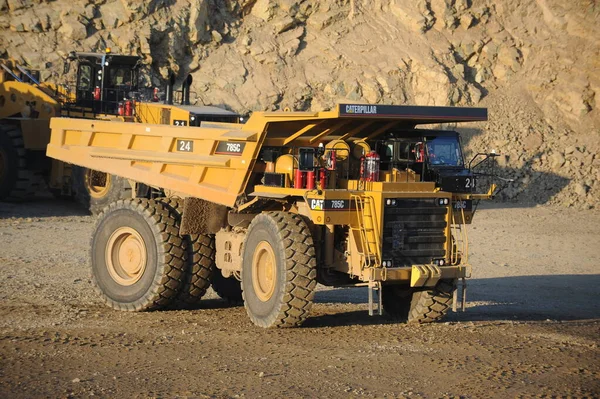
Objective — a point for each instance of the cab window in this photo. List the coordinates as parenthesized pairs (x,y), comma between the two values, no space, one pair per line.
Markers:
(85,77)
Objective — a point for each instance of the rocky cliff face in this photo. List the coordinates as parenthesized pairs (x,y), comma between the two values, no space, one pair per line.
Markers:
(534,63)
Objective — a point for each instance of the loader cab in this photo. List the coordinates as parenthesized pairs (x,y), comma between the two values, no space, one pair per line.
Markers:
(103,80)
(435,155)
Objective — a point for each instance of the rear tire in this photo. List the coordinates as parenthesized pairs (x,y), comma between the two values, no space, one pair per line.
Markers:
(137,255)
(17,182)
(199,261)
(278,270)
(96,190)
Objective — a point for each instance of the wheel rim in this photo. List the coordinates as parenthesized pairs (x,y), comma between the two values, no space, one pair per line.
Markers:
(98,183)
(264,271)
(126,256)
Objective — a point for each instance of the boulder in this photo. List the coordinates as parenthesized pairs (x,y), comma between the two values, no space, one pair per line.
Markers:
(72,28)
(283,24)
(264,9)
(510,57)
(198,21)
(533,141)
(113,15)
(14,5)
(556,160)
(409,16)
(216,36)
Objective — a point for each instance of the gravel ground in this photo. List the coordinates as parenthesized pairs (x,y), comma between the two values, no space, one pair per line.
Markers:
(532,327)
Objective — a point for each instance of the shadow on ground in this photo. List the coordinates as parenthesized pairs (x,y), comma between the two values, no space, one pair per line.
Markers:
(521,298)
(41,206)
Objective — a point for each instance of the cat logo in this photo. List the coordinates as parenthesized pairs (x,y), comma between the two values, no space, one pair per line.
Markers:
(316,204)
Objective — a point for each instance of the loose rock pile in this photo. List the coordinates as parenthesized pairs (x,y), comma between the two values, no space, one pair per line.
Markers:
(535,64)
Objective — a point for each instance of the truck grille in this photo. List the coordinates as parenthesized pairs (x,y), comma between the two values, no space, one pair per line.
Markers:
(413,231)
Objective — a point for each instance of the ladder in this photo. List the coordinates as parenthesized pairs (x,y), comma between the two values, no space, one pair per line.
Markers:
(459,252)
(370,245)
(366,228)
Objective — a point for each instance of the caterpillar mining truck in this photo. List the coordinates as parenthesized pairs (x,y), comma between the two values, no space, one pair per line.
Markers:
(106,88)
(355,196)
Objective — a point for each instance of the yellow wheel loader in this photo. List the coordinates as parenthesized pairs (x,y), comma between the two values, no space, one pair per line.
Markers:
(355,196)
(106,87)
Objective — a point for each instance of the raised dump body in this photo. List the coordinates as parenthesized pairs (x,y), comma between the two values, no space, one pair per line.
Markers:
(352,196)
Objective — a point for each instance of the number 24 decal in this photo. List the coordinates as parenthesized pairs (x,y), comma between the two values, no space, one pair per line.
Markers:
(185,145)
(470,183)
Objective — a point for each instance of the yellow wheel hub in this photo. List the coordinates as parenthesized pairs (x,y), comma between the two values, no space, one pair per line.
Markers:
(98,183)
(264,271)
(126,256)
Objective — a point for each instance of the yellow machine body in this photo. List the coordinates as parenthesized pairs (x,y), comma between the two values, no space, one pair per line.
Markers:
(221,163)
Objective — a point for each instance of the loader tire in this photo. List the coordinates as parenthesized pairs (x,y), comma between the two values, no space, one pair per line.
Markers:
(95,190)
(138,260)
(278,270)
(227,288)
(199,260)
(17,182)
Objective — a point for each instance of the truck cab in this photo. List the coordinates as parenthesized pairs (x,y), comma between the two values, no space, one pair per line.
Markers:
(433,155)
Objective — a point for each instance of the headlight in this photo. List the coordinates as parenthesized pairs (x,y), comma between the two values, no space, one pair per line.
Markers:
(388,202)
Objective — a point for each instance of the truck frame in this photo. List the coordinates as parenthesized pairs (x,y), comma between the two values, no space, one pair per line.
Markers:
(265,210)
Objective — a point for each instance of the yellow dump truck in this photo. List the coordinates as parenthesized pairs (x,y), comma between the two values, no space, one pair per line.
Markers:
(355,196)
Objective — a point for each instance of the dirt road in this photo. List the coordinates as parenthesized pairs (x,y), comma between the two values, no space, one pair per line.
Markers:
(532,328)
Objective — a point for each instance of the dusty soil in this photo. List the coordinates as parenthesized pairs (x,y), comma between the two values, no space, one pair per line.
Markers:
(532,328)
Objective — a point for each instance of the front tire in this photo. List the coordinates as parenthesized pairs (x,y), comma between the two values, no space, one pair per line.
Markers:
(278,270)
(17,181)
(417,305)
(137,255)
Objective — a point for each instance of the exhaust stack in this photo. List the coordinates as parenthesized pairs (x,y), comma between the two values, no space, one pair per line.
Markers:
(169,91)
(185,90)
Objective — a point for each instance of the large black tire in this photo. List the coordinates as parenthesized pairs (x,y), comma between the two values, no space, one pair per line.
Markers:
(132,231)
(418,305)
(17,182)
(95,190)
(199,262)
(228,288)
(284,240)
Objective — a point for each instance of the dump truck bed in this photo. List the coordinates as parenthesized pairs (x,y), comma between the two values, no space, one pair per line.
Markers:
(214,161)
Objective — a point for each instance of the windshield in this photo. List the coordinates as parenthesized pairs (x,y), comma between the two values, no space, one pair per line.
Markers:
(121,76)
(444,151)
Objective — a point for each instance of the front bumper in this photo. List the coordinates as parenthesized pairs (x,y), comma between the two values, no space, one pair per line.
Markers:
(420,275)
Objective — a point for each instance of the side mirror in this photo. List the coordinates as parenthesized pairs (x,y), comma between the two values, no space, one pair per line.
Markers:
(66,67)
